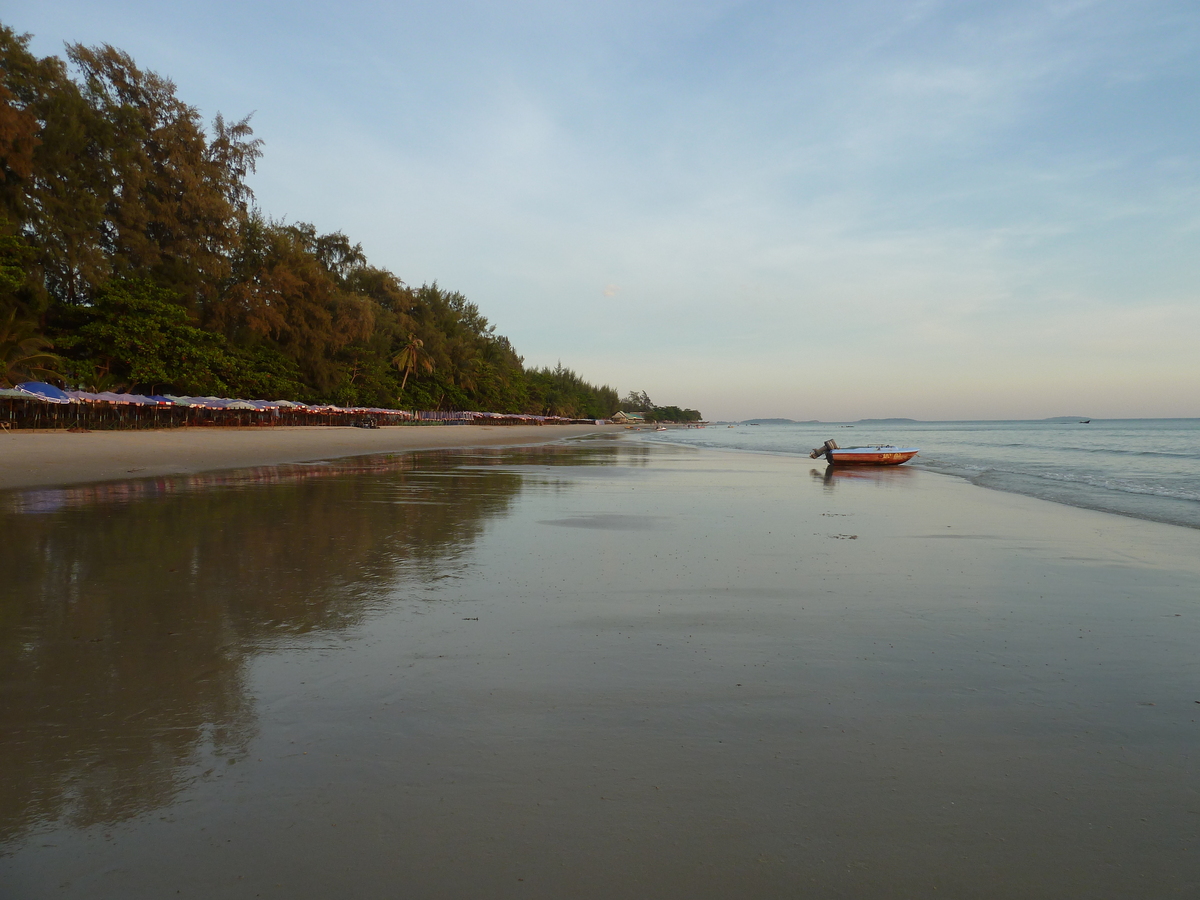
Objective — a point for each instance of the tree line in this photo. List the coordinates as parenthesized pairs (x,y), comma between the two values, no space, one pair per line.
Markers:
(640,402)
(133,256)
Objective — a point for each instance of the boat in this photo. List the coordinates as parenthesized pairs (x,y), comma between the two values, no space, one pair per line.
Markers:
(866,455)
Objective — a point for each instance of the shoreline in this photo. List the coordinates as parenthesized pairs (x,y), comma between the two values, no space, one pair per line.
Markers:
(1165,495)
(43,459)
(56,458)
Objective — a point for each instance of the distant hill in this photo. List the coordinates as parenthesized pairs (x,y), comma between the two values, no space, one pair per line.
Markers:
(778,422)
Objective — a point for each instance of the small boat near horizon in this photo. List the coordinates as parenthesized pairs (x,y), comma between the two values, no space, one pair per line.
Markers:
(866,455)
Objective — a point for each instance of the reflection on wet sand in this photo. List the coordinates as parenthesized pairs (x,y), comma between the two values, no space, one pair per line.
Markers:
(128,611)
(882,476)
(596,671)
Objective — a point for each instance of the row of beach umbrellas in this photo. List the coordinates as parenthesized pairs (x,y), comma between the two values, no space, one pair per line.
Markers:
(40,390)
(48,393)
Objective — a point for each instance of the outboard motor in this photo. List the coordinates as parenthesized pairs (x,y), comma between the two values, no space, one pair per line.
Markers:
(825,450)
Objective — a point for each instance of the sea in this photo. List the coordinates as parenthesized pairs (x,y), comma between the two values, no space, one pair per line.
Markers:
(1146,468)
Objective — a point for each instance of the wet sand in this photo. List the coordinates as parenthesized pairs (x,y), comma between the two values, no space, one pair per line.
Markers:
(46,458)
(599,670)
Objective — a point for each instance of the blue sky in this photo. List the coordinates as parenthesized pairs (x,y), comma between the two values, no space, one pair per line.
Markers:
(812,210)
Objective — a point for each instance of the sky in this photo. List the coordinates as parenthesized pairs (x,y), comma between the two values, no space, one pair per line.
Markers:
(812,210)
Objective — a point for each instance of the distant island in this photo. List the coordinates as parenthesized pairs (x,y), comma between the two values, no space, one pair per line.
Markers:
(778,421)
(895,420)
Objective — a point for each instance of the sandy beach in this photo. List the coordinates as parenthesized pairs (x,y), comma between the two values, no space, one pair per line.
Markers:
(46,459)
(595,669)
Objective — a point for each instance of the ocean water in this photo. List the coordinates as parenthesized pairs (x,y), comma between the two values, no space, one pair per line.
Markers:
(1147,468)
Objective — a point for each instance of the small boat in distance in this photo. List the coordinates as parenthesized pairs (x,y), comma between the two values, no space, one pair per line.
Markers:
(868,455)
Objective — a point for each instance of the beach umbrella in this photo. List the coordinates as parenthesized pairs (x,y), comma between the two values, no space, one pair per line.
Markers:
(112,397)
(43,391)
(131,399)
(208,402)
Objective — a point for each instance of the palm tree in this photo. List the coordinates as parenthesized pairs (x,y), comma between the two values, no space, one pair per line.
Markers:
(98,379)
(412,356)
(22,350)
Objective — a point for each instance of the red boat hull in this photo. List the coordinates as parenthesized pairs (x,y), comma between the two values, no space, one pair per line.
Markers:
(872,458)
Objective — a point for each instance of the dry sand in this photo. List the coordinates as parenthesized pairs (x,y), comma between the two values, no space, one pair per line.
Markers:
(56,458)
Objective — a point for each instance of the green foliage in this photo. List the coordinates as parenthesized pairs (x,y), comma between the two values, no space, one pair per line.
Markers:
(673,414)
(560,392)
(641,403)
(637,402)
(285,291)
(12,272)
(24,353)
(263,373)
(15,258)
(138,333)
